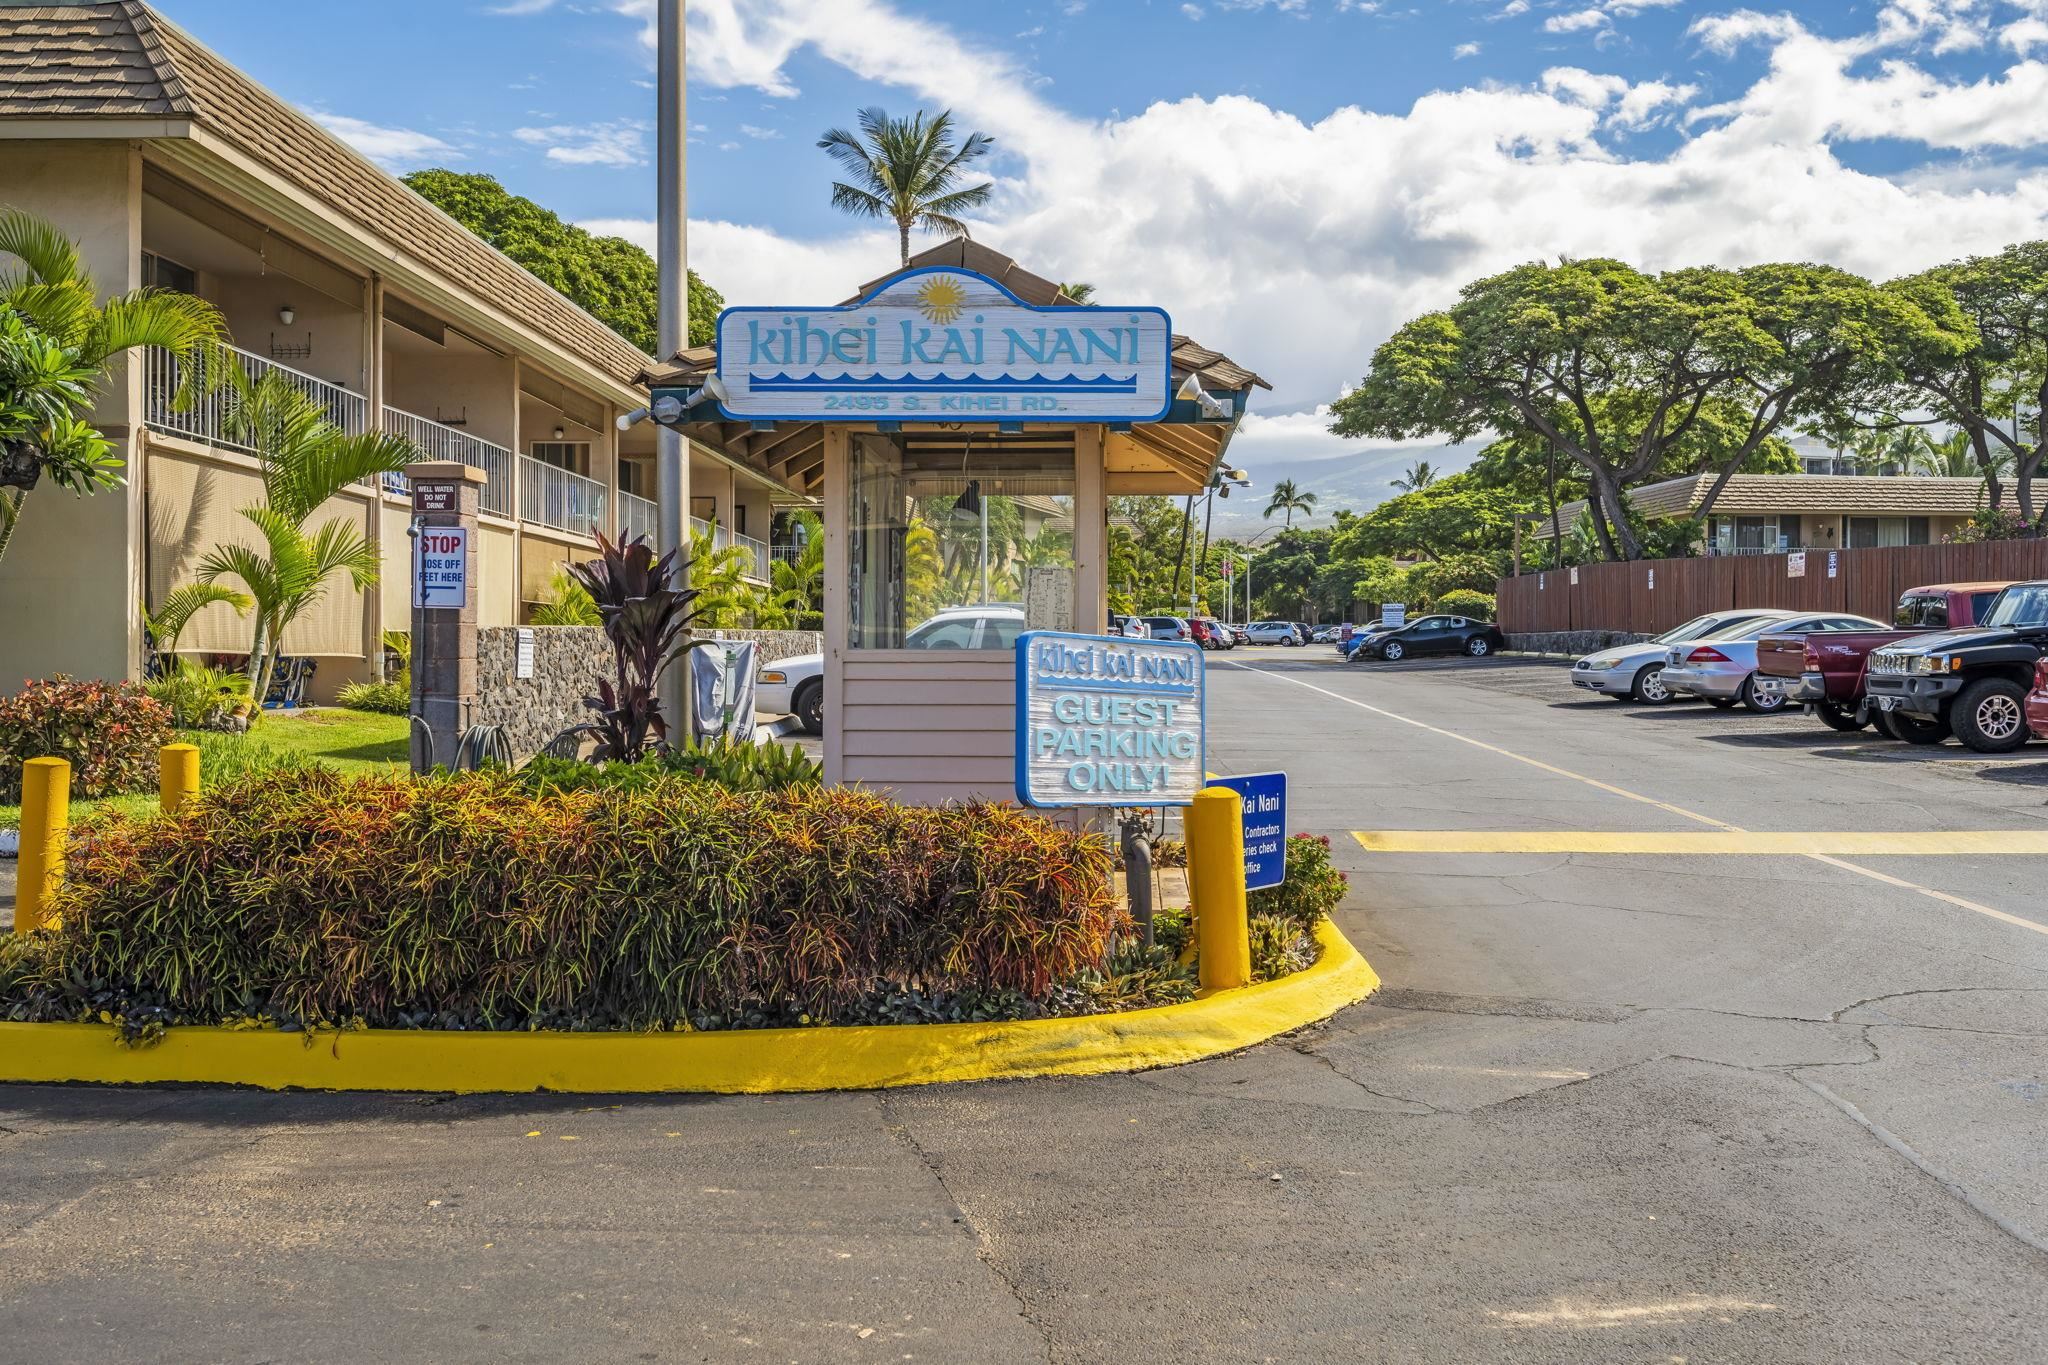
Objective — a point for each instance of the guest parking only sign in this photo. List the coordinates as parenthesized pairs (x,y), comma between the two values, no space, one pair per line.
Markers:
(1105,721)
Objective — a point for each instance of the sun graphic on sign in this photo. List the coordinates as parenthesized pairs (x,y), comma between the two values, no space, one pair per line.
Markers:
(942,299)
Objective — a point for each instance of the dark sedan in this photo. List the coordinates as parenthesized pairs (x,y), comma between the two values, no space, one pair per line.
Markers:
(1428,635)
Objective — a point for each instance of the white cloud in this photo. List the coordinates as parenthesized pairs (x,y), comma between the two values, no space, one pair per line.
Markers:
(760,134)
(395,149)
(1576,22)
(2024,35)
(1464,50)
(1226,211)
(622,142)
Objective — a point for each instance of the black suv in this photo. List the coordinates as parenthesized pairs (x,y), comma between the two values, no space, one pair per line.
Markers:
(1971,683)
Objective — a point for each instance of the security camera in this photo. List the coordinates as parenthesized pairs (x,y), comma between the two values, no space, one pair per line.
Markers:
(1191,391)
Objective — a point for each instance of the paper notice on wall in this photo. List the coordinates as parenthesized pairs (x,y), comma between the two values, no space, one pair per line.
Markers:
(1795,564)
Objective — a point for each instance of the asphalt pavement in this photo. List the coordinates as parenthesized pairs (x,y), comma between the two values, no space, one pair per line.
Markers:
(1717,1096)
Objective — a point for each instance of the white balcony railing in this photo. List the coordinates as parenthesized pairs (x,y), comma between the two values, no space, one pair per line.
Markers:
(206,417)
(787,554)
(554,497)
(637,517)
(437,442)
(756,565)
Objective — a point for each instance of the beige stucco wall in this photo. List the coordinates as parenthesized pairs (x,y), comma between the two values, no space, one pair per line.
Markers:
(71,577)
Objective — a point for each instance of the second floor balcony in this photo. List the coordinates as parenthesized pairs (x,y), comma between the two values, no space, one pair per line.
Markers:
(557,498)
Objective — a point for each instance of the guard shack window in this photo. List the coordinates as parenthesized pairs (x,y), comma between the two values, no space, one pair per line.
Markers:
(959,540)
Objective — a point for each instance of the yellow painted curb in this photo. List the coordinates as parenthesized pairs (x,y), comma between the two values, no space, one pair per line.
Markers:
(753,1061)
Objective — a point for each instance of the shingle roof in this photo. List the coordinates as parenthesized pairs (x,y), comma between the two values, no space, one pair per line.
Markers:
(1793,494)
(120,59)
(1219,372)
(85,60)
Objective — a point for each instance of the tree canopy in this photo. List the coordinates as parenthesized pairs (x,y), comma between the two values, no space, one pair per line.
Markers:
(610,278)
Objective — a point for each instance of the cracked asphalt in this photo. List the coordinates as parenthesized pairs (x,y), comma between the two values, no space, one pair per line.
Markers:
(1607,1108)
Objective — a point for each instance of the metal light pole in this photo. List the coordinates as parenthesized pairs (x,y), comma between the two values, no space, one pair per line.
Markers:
(671,464)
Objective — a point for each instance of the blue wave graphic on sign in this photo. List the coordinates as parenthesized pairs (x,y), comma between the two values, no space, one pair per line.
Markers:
(910,383)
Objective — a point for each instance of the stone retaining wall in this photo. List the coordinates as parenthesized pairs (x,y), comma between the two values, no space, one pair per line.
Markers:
(567,661)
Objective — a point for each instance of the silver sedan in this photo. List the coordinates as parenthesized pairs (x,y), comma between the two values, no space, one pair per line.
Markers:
(1272,633)
(1636,672)
(1722,670)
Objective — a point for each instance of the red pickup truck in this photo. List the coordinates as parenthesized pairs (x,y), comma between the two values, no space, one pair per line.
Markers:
(1825,672)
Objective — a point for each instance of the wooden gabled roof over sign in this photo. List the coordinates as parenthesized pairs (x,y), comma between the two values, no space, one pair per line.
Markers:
(1175,454)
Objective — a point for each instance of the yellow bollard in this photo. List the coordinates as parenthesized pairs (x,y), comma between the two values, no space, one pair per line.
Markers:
(177,775)
(1215,830)
(45,815)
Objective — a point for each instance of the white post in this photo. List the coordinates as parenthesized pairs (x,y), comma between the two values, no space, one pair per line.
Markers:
(671,464)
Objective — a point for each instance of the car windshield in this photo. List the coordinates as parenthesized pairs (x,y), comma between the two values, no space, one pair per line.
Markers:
(2023,604)
(1691,630)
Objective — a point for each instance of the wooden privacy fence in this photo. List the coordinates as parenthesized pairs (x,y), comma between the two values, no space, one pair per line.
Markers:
(1653,595)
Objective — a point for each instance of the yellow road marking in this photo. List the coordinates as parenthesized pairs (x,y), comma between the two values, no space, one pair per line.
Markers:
(1860,871)
(1869,844)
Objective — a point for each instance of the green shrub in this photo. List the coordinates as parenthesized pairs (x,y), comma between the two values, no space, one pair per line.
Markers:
(1313,888)
(1173,929)
(1465,602)
(109,732)
(738,767)
(392,698)
(231,758)
(1279,947)
(201,698)
(465,901)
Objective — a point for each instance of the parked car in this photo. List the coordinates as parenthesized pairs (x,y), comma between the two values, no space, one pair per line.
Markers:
(1429,635)
(1272,633)
(1210,633)
(1721,670)
(1636,672)
(1324,634)
(1826,674)
(1972,681)
(1169,627)
(796,686)
(1130,627)
(1239,636)
(2037,701)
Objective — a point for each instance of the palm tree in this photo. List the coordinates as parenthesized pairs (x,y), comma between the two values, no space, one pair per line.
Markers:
(180,605)
(1080,292)
(799,584)
(56,341)
(306,460)
(1290,499)
(907,171)
(1419,476)
(725,600)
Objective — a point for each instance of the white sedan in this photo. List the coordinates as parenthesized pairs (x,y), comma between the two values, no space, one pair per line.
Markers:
(796,686)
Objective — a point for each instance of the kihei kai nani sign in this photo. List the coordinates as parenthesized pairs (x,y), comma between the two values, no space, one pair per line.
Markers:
(943,345)
(1106,721)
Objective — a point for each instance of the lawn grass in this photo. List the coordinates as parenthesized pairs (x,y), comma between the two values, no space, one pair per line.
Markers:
(350,741)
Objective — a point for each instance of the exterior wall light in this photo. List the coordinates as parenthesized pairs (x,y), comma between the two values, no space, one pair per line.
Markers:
(287,315)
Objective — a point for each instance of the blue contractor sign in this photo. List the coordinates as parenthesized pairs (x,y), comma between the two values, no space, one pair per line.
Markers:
(1265,826)
(1106,721)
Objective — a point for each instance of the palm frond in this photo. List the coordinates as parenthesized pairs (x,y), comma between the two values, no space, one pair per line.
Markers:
(180,323)
(858,202)
(50,256)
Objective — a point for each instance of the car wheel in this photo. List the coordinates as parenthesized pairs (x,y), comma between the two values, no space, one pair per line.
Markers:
(810,707)
(1290,642)
(1393,651)
(1649,688)
(1838,717)
(1911,729)
(1990,716)
(1755,699)
(1479,646)
(1720,703)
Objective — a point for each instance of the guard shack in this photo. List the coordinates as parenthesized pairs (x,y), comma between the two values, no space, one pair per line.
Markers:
(961,425)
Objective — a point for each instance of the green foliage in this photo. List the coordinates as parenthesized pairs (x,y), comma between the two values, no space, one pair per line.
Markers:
(108,732)
(391,698)
(566,604)
(225,758)
(907,171)
(645,612)
(608,277)
(198,697)
(1313,888)
(1288,499)
(56,340)
(1279,947)
(180,605)
(1174,930)
(1136,977)
(2005,524)
(464,901)
(736,767)
(1465,602)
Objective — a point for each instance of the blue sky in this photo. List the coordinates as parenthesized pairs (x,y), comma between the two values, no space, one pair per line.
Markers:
(1292,178)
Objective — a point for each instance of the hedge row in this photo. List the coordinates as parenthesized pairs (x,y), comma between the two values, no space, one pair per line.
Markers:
(306,897)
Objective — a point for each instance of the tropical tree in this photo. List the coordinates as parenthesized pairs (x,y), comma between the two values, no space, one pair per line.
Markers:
(1289,499)
(907,171)
(56,341)
(798,585)
(306,460)
(1420,475)
(724,599)
(180,605)
(567,603)
(1079,292)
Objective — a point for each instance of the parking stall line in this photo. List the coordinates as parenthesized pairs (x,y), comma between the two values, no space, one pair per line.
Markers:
(1866,843)
(1829,860)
